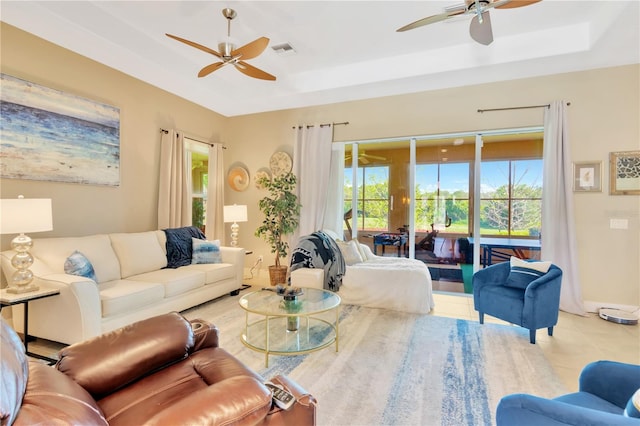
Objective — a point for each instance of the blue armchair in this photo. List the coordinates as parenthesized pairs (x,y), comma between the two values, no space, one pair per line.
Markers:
(605,388)
(533,307)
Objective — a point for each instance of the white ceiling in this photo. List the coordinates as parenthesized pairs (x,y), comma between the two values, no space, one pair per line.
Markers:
(344,50)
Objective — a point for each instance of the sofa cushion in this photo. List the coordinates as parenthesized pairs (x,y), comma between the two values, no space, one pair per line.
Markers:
(78,264)
(118,358)
(125,296)
(589,400)
(14,373)
(350,252)
(523,272)
(138,253)
(205,251)
(175,281)
(53,252)
(214,272)
(633,405)
(54,398)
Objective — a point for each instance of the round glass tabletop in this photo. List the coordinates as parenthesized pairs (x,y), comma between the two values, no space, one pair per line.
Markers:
(313,301)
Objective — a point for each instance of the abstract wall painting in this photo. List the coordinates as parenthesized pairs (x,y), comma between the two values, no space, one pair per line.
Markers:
(49,135)
(624,170)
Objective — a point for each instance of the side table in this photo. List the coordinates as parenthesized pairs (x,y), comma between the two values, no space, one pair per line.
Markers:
(10,299)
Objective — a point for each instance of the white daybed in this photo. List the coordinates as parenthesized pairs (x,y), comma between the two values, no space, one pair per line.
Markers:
(395,283)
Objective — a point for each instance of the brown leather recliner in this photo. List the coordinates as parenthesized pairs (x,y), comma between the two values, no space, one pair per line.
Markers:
(161,371)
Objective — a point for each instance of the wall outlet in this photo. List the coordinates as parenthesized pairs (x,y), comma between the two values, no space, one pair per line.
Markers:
(618,223)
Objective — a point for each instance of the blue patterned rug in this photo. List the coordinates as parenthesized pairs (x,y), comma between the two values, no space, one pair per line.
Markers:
(402,369)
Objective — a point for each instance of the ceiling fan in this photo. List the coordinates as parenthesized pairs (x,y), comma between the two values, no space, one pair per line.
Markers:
(230,55)
(365,158)
(480,27)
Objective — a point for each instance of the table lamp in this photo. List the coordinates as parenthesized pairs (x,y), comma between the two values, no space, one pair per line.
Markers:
(235,214)
(17,216)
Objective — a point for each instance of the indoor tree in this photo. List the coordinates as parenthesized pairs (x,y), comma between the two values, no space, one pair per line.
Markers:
(281,218)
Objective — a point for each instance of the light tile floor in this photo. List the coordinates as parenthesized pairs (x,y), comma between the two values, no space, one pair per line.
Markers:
(576,340)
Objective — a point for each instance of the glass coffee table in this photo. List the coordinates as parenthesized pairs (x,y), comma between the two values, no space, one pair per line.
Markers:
(274,326)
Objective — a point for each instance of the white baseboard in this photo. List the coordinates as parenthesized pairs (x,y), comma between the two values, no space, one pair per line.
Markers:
(260,277)
(592,306)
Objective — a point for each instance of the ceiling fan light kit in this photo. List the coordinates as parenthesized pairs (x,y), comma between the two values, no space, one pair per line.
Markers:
(480,26)
(230,55)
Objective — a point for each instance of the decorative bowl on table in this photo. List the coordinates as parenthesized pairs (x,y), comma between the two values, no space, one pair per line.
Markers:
(288,292)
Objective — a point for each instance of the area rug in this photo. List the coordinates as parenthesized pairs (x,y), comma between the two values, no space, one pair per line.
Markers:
(394,368)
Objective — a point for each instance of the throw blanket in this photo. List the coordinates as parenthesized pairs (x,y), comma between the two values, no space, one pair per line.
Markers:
(319,250)
(180,246)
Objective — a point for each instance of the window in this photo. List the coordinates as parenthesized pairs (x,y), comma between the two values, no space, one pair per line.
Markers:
(443,174)
(442,197)
(198,154)
(511,198)
(373,197)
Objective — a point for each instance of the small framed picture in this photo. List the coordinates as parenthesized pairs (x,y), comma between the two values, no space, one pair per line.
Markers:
(587,176)
(624,173)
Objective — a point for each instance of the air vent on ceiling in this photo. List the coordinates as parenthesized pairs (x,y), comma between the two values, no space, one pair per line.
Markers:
(284,49)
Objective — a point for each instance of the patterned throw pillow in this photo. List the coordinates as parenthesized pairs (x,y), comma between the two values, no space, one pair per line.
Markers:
(350,252)
(78,264)
(523,272)
(633,406)
(206,251)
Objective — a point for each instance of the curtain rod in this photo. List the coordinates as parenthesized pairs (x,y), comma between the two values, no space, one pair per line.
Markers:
(165,131)
(308,126)
(520,107)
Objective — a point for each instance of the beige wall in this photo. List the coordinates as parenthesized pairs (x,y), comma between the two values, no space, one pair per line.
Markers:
(603,117)
(144,109)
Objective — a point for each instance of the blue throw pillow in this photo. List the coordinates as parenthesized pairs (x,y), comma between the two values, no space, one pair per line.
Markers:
(78,264)
(206,251)
(523,272)
(633,406)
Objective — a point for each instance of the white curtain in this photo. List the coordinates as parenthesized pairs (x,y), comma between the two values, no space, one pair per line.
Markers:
(334,210)
(215,194)
(174,189)
(558,228)
(311,165)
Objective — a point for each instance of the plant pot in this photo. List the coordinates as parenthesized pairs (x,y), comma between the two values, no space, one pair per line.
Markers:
(278,274)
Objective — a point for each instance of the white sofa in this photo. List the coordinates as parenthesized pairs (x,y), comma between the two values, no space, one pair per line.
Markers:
(395,283)
(131,283)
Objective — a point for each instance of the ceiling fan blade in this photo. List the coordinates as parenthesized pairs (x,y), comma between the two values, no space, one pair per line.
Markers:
(431,20)
(512,4)
(211,68)
(253,49)
(252,71)
(481,32)
(196,45)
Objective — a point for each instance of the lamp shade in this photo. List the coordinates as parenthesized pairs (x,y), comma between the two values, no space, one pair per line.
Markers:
(20,215)
(235,213)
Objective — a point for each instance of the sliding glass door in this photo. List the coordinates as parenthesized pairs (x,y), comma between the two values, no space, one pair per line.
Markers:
(417,196)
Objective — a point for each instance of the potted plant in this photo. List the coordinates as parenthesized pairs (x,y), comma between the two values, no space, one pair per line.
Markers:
(281,218)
